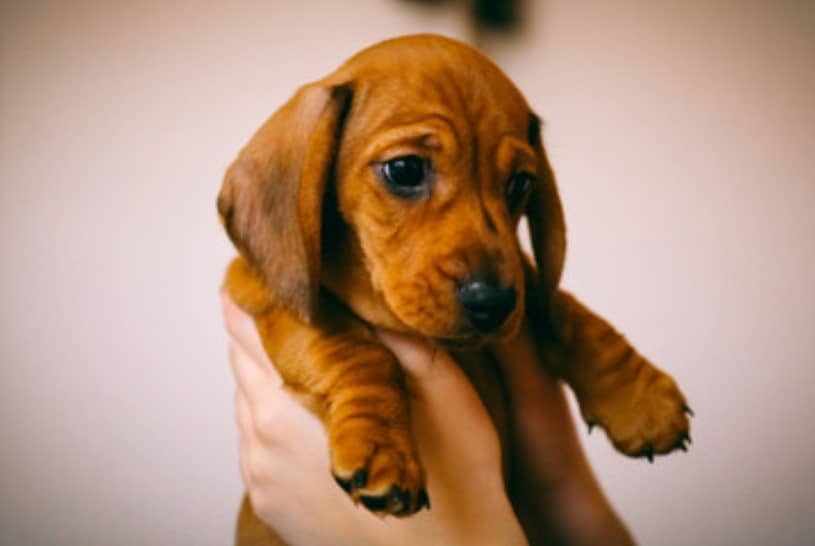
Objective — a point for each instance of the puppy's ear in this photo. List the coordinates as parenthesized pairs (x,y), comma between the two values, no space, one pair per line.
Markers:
(546,225)
(272,195)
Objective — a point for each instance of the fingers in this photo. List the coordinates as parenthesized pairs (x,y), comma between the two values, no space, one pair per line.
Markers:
(417,356)
(243,416)
(428,368)
(436,379)
(243,413)
(242,329)
(260,387)
(259,390)
(250,364)
(261,432)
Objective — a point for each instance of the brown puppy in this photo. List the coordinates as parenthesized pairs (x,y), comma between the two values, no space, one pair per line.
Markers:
(389,194)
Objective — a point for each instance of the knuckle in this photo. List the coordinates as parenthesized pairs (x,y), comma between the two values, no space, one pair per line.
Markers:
(235,320)
(231,319)
(267,422)
(255,464)
(243,415)
(261,467)
(245,370)
(235,356)
(245,467)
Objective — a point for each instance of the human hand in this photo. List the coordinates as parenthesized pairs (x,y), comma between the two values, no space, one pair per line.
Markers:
(558,497)
(284,456)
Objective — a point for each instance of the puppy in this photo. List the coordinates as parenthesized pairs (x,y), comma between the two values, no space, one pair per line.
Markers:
(389,193)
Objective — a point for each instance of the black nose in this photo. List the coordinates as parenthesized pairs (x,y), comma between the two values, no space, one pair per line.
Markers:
(487,306)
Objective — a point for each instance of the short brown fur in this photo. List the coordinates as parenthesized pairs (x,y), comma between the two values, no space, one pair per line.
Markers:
(327,251)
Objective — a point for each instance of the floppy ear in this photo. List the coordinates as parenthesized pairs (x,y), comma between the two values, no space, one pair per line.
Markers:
(272,195)
(546,225)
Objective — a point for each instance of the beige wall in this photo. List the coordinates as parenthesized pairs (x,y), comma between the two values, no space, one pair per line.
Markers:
(683,134)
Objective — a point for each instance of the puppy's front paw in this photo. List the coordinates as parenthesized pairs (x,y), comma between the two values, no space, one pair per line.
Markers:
(644,417)
(376,463)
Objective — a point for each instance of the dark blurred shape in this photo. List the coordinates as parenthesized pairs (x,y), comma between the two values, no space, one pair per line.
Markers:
(496,14)
(501,15)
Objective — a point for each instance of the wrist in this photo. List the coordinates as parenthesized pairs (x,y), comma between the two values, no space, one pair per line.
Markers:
(585,517)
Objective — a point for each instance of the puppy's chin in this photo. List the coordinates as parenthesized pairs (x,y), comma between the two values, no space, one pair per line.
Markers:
(472,340)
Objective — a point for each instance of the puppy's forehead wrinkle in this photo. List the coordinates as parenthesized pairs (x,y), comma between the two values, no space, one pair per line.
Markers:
(427,130)
(488,221)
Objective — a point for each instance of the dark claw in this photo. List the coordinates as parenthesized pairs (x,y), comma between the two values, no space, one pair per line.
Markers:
(398,500)
(406,499)
(360,478)
(422,500)
(405,511)
(681,444)
(344,484)
(648,453)
(376,504)
(689,411)
(395,495)
(685,438)
(402,501)
(591,425)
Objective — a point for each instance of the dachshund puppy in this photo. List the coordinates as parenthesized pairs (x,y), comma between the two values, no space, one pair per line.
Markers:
(389,193)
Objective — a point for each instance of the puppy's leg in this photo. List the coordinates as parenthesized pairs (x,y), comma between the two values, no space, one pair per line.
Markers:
(640,407)
(340,371)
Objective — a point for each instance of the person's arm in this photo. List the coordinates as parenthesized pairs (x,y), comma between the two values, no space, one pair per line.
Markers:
(284,455)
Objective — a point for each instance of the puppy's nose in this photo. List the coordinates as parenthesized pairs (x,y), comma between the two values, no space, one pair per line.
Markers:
(486,305)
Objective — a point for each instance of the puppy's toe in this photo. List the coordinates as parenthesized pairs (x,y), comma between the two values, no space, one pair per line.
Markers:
(378,467)
(643,419)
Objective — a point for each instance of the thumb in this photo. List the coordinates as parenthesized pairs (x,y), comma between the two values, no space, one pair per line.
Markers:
(423,362)
(441,391)
(432,374)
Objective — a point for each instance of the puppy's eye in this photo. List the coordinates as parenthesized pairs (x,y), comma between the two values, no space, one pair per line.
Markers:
(406,176)
(517,188)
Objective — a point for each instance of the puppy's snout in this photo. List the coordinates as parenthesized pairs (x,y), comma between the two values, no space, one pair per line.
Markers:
(486,304)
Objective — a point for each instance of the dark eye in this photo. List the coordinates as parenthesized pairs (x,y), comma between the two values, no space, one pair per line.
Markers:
(517,188)
(406,176)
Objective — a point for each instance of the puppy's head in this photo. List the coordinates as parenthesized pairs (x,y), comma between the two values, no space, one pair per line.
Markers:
(428,156)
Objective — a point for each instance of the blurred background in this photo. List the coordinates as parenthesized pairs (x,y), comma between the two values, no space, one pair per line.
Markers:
(683,137)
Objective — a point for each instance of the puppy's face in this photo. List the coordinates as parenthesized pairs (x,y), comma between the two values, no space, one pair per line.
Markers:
(432,156)
(435,169)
